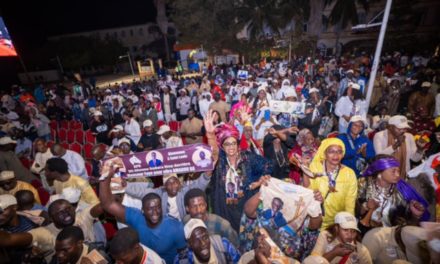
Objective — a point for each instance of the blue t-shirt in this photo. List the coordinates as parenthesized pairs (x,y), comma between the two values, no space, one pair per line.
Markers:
(165,239)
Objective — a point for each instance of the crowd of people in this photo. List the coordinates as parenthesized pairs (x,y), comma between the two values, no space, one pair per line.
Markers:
(305,170)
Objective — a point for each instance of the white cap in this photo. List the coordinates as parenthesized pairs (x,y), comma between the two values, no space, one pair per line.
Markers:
(163,129)
(290,93)
(97,113)
(349,71)
(313,259)
(72,195)
(354,86)
(108,91)
(357,118)
(183,90)
(313,90)
(7,175)
(261,88)
(117,128)
(399,121)
(147,123)
(426,84)
(7,200)
(7,140)
(166,177)
(346,221)
(124,140)
(192,224)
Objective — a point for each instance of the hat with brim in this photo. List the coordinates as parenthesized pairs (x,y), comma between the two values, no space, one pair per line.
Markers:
(147,123)
(346,221)
(313,90)
(7,200)
(7,175)
(124,140)
(117,128)
(163,129)
(6,141)
(357,118)
(166,177)
(355,86)
(399,121)
(97,113)
(192,224)
(426,84)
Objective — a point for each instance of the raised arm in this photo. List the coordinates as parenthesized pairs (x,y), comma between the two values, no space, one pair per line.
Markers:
(210,134)
(15,239)
(108,202)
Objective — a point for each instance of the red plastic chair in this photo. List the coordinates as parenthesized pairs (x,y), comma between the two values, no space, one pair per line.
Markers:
(64,124)
(70,136)
(64,145)
(62,135)
(76,147)
(90,138)
(74,124)
(174,126)
(27,163)
(79,136)
(89,168)
(53,125)
(160,123)
(88,151)
(333,134)
(53,134)
(50,143)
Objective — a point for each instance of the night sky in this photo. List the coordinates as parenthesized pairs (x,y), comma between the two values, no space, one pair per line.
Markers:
(31,22)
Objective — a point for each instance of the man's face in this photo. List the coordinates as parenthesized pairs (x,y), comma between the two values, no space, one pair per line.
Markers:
(50,175)
(8,185)
(63,214)
(202,155)
(167,135)
(191,114)
(247,131)
(129,257)
(153,155)
(125,148)
(357,127)
(7,214)
(152,211)
(148,130)
(68,251)
(276,205)
(200,244)
(231,188)
(197,207)
(397,132)
(347,235)
(41,147)
(172,186)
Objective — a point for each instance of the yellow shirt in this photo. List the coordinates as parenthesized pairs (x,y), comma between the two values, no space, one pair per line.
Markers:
(21,185)
(87,193)
(342,200)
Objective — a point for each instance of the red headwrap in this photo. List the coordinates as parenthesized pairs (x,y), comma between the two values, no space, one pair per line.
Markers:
(224,131)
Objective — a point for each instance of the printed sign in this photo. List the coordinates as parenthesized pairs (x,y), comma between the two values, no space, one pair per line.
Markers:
(296,108)
(185,159)
(242,74)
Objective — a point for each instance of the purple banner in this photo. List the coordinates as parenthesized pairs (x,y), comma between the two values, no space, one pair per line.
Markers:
(185,159)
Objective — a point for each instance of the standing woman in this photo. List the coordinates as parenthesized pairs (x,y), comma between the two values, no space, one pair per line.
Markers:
(350,104)
(237,174)
(335,185)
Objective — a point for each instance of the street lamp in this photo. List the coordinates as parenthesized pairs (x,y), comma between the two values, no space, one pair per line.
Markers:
(129,61)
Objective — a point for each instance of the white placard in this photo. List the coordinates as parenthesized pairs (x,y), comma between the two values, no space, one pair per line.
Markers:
(296,108)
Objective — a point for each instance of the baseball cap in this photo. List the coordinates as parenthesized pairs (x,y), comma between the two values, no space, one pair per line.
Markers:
(7,175)
(166,177)
(358,118)
(191,225)
(354,86)
(399,121)
(346,221)
(7,140)
(426,84)
(349,71)
(72,195)
(163,129)
(124,140)
(97,113)
(7,200)
(147,123)
(117,128)
(313,90)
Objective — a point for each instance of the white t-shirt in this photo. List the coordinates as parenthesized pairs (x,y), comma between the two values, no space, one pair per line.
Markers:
(173,210)
(150,257)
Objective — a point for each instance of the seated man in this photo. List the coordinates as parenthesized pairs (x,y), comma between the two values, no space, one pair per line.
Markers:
(154,229)
(42,155)
(10,185)
(197,207)
(71,248)
(74,160)
(339,242)
(10,221)
(172,193)
(205,248)
(126,248)
(58,173)
(62,214)
(27,206)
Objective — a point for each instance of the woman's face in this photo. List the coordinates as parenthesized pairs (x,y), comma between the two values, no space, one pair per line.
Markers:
(261,95)
(309,139)
(391,175)
(230,146)
(334,155)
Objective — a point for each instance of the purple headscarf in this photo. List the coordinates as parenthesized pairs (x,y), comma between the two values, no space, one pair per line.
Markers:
(408,192)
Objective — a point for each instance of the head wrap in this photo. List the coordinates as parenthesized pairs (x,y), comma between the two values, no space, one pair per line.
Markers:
(224,131)
(316,166)
(380,165)
(301,137)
